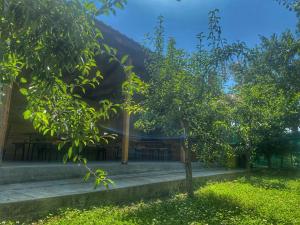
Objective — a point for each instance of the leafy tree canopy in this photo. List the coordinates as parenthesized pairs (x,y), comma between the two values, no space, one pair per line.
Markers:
(48,50)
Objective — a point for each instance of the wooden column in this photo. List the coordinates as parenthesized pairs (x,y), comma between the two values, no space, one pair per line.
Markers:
(4,116)
(125,140)
(126,125)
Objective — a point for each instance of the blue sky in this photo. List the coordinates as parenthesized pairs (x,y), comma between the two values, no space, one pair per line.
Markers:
(242,20)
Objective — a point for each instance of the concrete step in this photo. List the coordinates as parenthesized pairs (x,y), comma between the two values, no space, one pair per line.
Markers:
(36,199)
(28,172)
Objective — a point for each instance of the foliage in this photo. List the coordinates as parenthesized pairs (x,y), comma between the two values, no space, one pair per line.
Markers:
(43,37)
(258,115)
(263,105)
(183,96)
(48,50)
(257,199)
(132,88)
(267,92)
(185,91)
(274,60)
(289,4)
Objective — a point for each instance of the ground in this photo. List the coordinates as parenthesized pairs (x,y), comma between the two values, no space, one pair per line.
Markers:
(262,198)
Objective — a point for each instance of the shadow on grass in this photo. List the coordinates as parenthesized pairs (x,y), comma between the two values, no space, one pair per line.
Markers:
(204,208)
(266,182)
(279,173)
(209,207)
(272,178)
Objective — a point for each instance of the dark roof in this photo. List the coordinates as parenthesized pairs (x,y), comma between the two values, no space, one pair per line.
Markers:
(124,44)
(113,76)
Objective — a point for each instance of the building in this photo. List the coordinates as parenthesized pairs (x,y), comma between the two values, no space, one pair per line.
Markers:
(23,143)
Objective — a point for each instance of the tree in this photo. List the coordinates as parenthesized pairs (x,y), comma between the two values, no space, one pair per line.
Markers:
(170,98)
(48,50)
(265,101)
(183,93)
(268,78)
(259,111)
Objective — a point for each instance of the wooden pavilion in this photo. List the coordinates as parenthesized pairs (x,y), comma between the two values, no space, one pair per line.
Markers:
(20,142)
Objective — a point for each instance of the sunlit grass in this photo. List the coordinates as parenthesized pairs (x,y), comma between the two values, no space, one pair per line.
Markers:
(258,199)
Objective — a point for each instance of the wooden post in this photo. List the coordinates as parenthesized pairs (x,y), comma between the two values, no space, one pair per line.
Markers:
(126,125)
(125,140)
(4,116)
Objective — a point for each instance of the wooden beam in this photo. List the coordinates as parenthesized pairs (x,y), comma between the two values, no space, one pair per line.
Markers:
(4,116)
(125,139)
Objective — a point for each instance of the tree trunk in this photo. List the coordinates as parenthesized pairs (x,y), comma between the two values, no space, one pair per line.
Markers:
(4,116)
(248,158)
(281,161)
(188,171)
(248,155)
(187,164)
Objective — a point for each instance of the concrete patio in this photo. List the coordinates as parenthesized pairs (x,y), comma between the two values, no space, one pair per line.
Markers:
(48,187)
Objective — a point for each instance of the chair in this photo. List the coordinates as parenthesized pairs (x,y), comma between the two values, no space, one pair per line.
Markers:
(101,152)
(19,146)
(3,155)
(137,154)
(117,153)
(43,149)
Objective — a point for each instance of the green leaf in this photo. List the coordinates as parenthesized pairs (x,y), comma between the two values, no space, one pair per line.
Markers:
(100,35)
(98,74)
(60,146)
(23,80)
(27,114)
(46,131)
(107,48)
(87,177)
(70,151)
(124,59)
(75,158)
(24,91)
(114,50)
(119,5)
(77,142)
(65,158)
(128,68)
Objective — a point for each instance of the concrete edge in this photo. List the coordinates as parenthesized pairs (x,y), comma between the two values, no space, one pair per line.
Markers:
(34,209)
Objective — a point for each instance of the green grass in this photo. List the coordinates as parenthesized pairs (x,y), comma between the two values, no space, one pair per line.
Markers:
(258,199)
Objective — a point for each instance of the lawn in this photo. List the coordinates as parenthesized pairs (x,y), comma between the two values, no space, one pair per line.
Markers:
(258,199)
